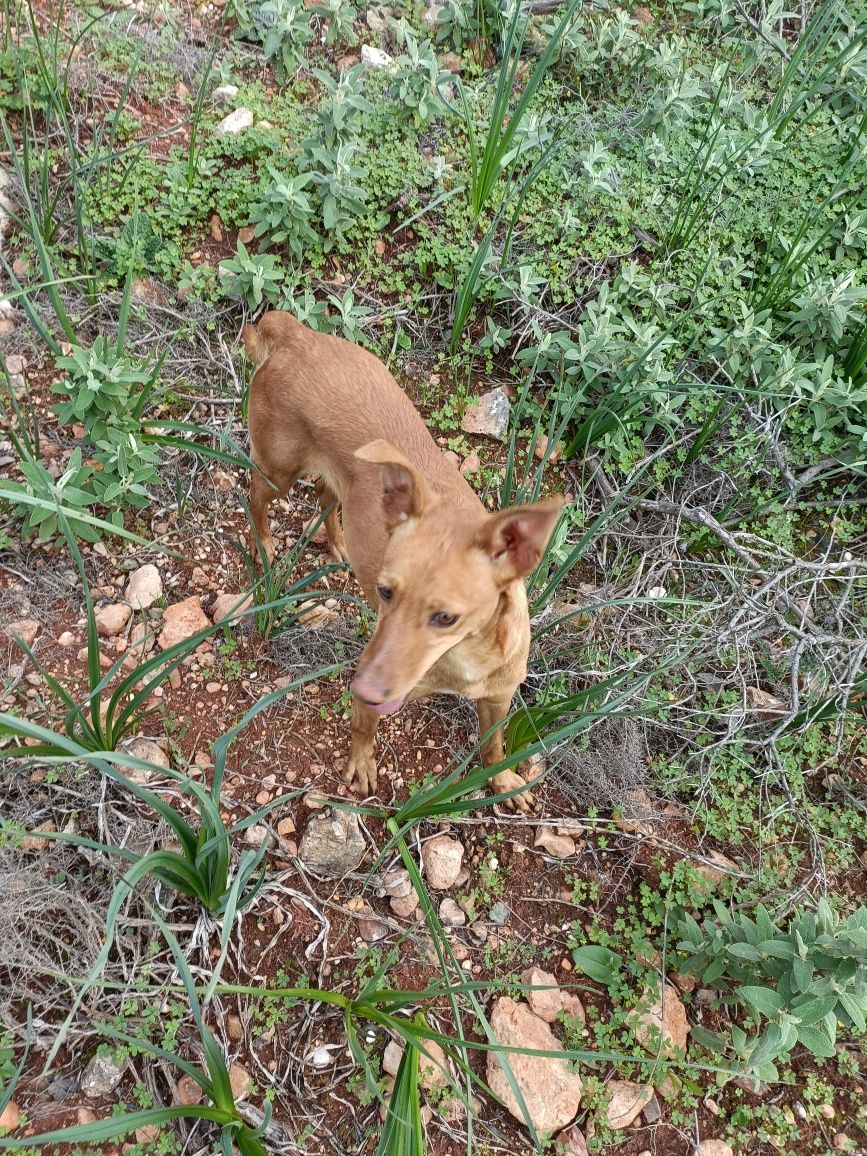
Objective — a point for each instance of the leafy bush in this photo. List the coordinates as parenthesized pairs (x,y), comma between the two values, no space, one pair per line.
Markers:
(339,18)
(102,382)
(73,488)
(796,980)
(417,76)
(254,277)
(285,32)
(458,24)
(284,214)
(108,393)
(284,28)
(340,112)
(335,178)
(129,466)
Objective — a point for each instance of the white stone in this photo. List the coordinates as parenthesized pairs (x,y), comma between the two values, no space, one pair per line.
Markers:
(442,857)
(488,415)
(375,57)
(145,586)
(236,122)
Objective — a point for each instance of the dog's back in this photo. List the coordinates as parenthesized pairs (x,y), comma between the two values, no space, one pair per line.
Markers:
(327,397)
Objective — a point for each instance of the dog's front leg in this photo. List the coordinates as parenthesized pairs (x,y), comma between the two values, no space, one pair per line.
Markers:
(361,768)
(491,712)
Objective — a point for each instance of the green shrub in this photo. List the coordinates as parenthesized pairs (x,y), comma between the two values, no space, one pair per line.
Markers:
(255,277)
(108,392)
(336,178)
(103,384)
(284,214)
(73,488)
(286,33)
(417,76)
(796,980)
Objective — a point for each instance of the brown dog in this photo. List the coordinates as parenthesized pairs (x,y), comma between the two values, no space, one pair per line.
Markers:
(447,577)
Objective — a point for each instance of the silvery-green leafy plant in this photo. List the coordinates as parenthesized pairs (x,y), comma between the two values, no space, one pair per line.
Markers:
(417,76)
(341,109)
(797,980)
(73,488)
(335,178)
(339,17)
(285,33)
(105,387)
(284,214)
(255,277)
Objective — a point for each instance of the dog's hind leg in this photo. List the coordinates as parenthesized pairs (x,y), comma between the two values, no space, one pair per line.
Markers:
(264,488)
(261,495)
(333,528)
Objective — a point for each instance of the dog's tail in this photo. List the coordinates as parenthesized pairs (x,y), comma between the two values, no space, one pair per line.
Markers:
(275,329)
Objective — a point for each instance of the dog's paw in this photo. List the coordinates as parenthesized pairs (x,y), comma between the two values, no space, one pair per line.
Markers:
(339,550)
(360,775)
(509,781)
(258,546)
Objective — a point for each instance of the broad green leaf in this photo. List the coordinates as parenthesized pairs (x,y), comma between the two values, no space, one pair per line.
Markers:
(763,999)
(743,951)
(778,948)
(598,963)
(815,1009)
(816,1041)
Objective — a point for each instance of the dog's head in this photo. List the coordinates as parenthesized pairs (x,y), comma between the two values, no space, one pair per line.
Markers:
(442,575)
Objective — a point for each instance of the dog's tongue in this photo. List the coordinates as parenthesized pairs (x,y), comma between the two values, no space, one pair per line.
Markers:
(389,707)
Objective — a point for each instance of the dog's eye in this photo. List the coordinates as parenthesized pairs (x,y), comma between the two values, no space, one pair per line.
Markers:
(385,593)
(443,619)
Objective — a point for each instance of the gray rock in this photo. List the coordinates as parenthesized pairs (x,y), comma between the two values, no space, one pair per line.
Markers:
(332,845)
(377,20)
(100,1078)
(147,751)
(451,914)
(375,57)
(256,835)
(489,415)
(442,858)
(224,94)
(61,1088)
(652,1111)
(397,884)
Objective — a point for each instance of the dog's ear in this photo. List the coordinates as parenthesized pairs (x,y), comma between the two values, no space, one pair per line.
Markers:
(515,539)
(405,493)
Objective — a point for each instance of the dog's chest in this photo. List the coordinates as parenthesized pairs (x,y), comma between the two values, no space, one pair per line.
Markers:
(474,671)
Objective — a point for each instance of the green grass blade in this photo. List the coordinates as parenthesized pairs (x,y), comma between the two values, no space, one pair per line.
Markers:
(114,1127)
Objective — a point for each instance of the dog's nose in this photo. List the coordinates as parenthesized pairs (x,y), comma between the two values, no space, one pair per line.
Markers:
(369,691)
